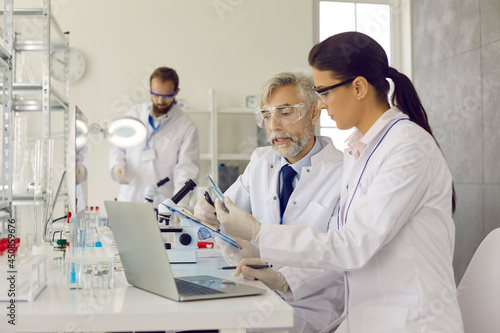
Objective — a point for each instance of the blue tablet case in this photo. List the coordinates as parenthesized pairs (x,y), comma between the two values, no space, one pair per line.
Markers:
(185,214)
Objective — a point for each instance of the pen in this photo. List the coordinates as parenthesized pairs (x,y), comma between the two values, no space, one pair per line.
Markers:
(209,200)
(251,266)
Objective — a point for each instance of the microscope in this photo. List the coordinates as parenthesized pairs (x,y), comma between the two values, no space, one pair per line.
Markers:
(184,249)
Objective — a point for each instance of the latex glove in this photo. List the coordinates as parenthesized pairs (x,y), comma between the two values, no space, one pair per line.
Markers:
(206,212)
(237,222)
(119,174)
(269,276)
(233,255)
(81,173)
(175,222)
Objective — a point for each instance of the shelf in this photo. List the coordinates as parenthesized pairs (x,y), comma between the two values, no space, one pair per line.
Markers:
(57,102)
(4,204)
(36,45)
(235,157)
(207,111)
(25,200)
(237,111)
(3,65)
(26,12)
(26,203)
(206,157)
(4,56)
(34,106)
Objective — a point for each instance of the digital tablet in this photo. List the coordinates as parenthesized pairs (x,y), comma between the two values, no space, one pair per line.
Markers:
(182,213)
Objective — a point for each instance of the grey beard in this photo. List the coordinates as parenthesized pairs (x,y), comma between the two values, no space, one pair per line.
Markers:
(298,144)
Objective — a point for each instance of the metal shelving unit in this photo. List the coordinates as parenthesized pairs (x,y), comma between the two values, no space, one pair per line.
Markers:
(6,67)
(57,102)
(39,97)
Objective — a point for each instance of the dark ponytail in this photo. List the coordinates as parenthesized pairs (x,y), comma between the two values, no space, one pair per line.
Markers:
(351,54)
(405,97)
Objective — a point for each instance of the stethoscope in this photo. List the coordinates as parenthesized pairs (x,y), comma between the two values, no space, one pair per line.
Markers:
(362,172)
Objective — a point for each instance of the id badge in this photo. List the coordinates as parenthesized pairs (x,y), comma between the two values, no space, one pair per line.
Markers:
(148,155)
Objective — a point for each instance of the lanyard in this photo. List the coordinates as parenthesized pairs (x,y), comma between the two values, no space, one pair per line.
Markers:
(362,172)
(152,123)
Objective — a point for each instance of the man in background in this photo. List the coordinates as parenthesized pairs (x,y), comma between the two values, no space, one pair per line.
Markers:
(171,148)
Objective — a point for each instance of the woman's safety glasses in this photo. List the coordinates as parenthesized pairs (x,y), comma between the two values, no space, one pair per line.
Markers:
(323,92)
(285,115)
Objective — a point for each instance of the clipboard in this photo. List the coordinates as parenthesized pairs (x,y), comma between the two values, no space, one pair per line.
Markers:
(186,214)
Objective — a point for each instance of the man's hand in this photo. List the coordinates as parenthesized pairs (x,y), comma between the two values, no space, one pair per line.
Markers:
(270,277)
(119,174)
(233,255)
(237,222)
(81,173)
(206,212)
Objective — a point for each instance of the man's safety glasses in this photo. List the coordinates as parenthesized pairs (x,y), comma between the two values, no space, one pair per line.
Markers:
(285,115)
(323,92)
(160,96)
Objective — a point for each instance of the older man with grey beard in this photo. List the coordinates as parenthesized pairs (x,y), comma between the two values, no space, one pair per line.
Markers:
(295,181)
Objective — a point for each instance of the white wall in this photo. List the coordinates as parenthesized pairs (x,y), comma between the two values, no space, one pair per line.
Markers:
(229,45)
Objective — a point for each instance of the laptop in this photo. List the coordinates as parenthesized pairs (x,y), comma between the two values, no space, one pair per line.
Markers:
(145,260)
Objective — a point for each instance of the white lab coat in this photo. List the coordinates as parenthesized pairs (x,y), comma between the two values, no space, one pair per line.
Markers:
(177,156)
(397,243)
(81,158)
(317,294)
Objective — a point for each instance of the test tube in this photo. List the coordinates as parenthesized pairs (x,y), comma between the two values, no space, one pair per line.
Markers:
(87,281)
(217,191)
(97,287)
(82,233)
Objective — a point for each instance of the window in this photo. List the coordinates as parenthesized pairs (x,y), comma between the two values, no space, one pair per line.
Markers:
(381,20)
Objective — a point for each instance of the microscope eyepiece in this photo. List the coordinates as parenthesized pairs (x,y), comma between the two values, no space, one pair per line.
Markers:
(188,187)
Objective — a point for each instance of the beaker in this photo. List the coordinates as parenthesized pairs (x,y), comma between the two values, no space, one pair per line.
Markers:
(24,69)
(87,281)
(19,173)
(43,189)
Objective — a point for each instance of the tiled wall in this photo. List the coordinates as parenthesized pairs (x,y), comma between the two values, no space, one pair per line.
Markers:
(456,58)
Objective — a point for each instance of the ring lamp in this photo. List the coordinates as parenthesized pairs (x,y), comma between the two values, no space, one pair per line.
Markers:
(125,132)
(122,132)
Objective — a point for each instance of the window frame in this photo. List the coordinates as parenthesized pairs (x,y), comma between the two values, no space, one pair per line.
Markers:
(401,44)
(401,34)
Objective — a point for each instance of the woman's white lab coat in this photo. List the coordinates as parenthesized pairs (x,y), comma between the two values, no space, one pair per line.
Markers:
(396,242)
(318,294)
(177,155)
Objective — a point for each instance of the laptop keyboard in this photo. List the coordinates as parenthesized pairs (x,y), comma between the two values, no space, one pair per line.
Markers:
(187,288)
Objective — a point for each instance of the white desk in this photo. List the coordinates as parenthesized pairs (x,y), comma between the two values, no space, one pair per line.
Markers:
(130,309)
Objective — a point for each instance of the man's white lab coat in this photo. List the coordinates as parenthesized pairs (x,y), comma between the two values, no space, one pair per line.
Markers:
(177,154)
(317,294)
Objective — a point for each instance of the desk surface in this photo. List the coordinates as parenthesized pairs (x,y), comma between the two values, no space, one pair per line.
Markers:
(128,308)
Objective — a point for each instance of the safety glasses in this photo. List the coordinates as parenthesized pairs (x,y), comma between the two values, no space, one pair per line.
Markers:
(160,96)
(323,92)
(285,114)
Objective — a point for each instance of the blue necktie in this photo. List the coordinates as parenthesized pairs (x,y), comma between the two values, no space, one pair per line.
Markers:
(288,175)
